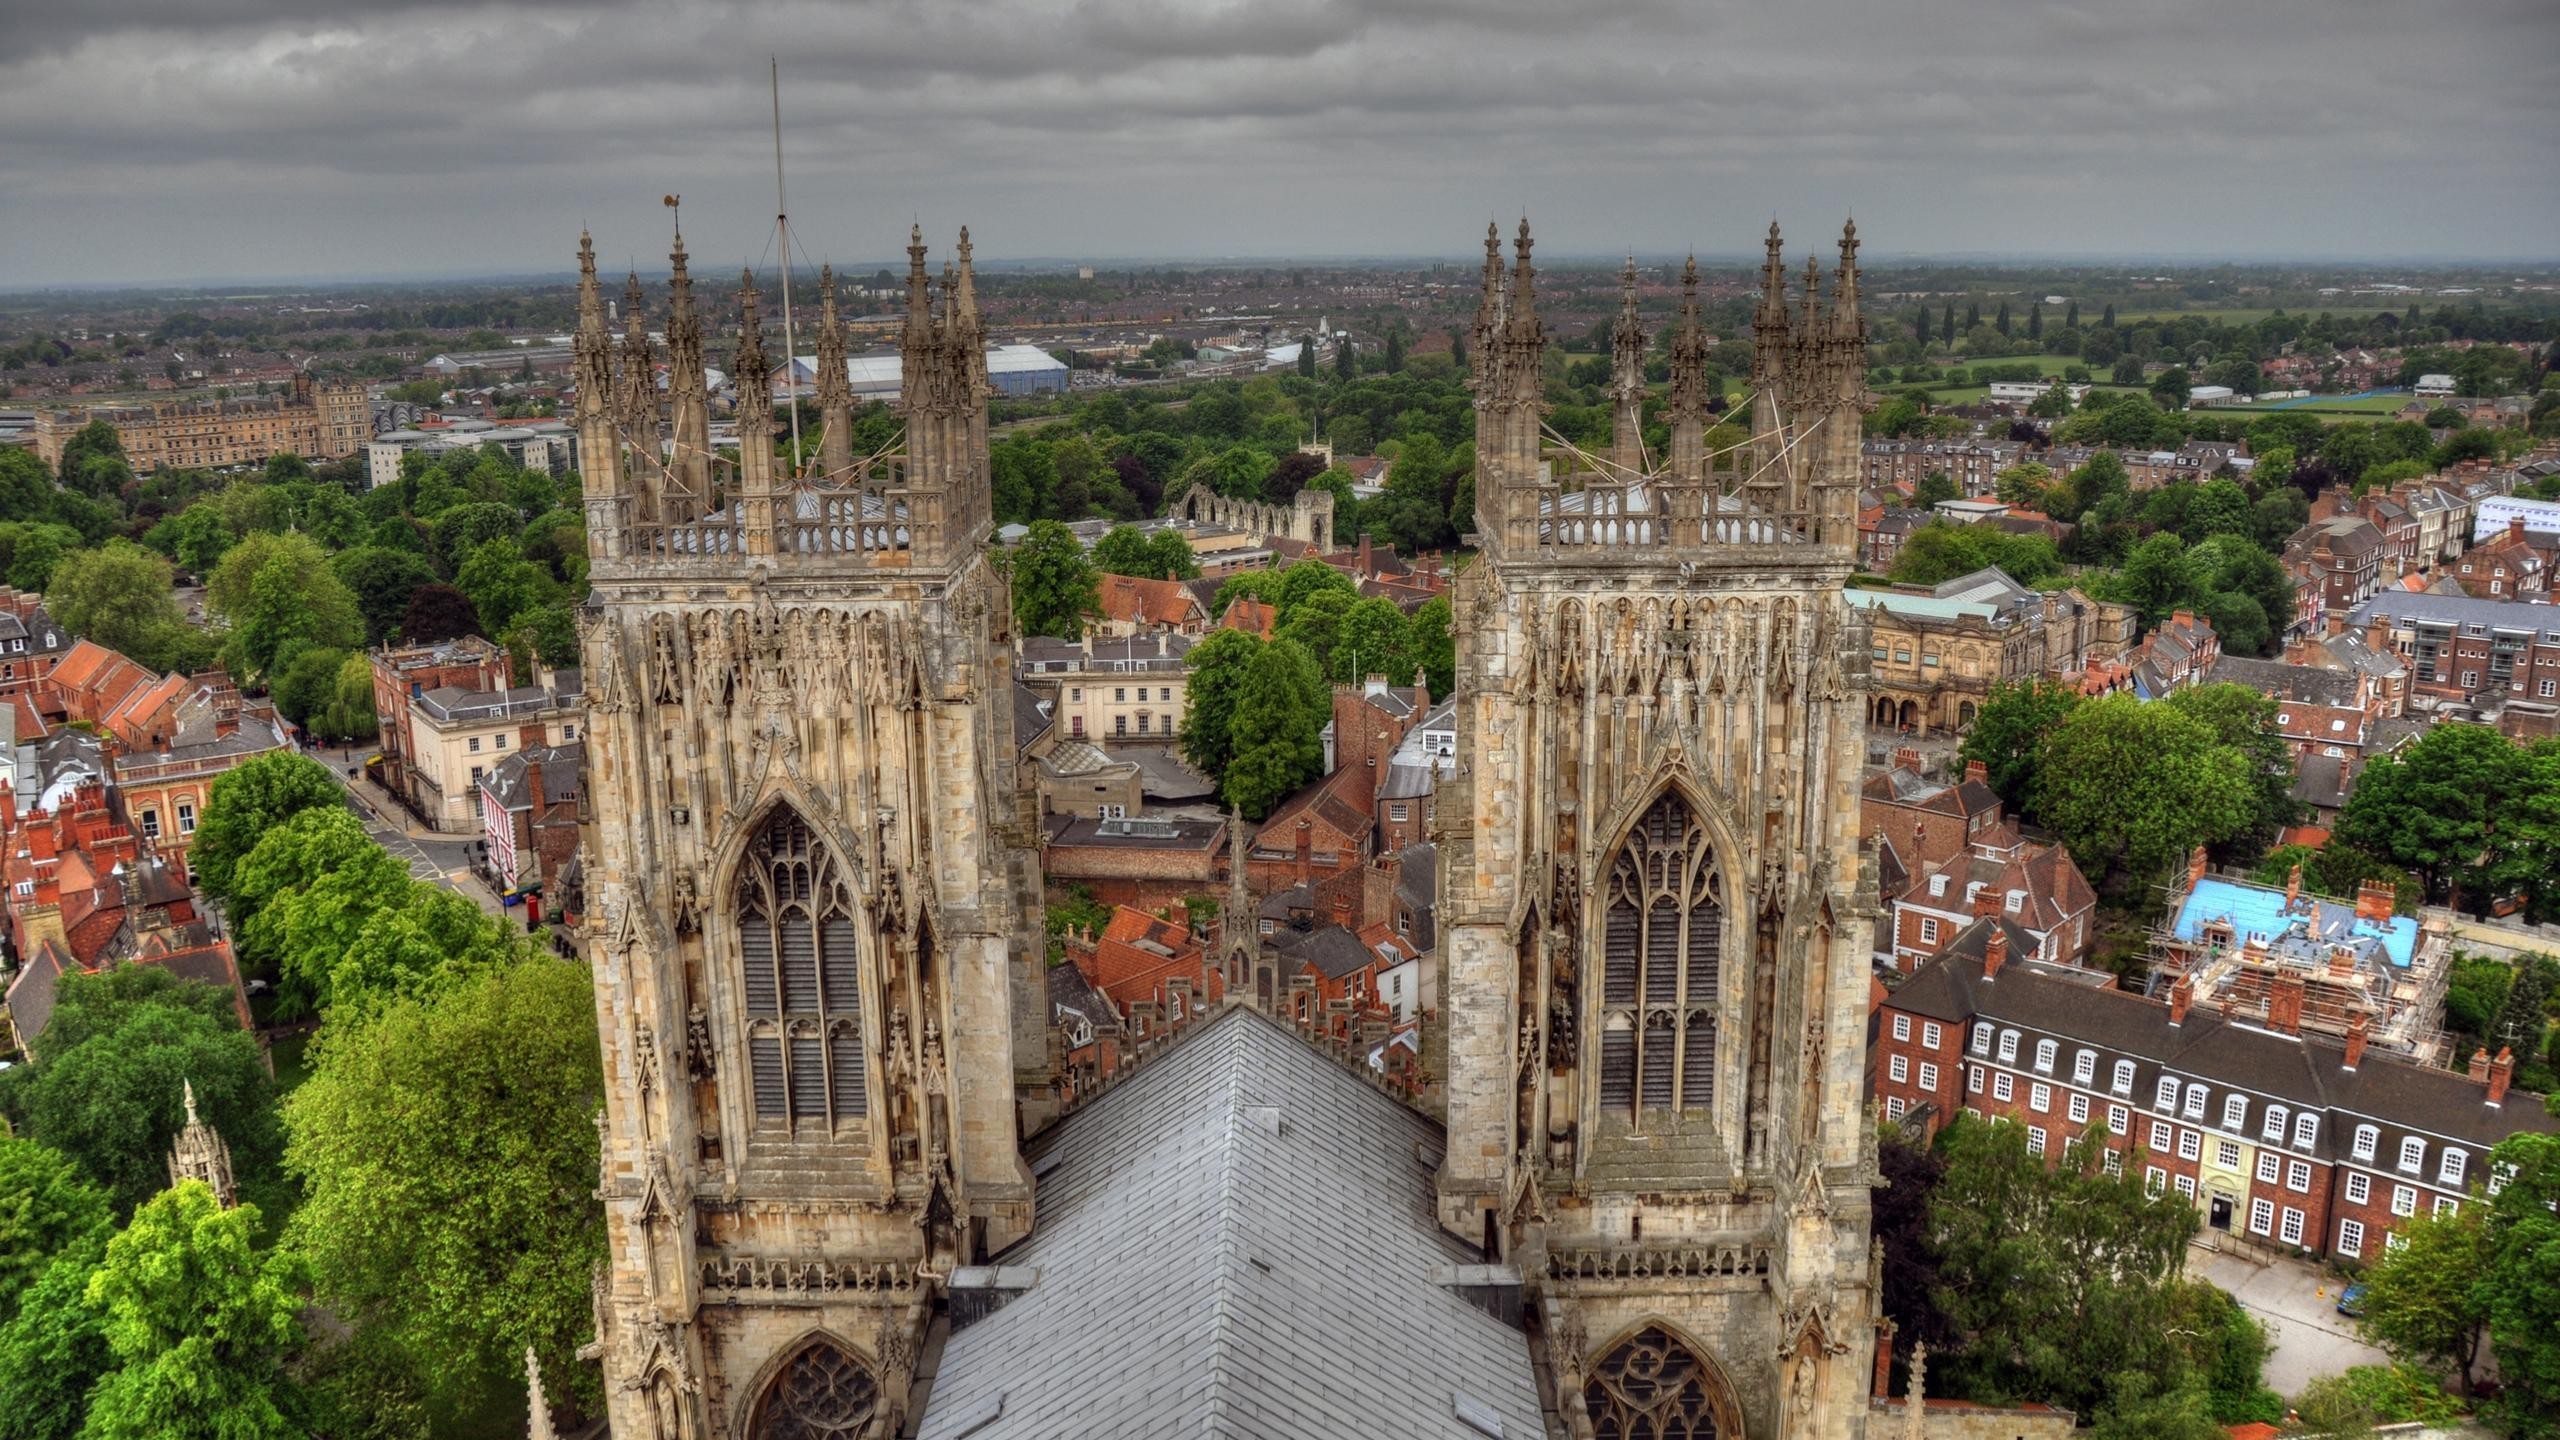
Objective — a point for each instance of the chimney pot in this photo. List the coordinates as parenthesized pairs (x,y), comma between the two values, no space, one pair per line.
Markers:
(1995,951)
(1977,771)
(2480,1066)
(2502,1072)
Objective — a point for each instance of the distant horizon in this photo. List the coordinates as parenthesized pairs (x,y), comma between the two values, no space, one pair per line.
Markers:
(858,267)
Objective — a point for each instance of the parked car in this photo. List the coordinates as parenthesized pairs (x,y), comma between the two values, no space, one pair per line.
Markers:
(2351,1301)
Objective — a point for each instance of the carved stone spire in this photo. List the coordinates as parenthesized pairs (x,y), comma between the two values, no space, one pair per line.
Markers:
(688,484)
(919,290)
(1237,935)
(538,1405)
(1845,319)
(835,388)
(1688,400)
(637,401)
(963,317)
(754,377)
(1488,304)
(1626,381)
(599,450)
(1510,404)
(1523,317)
(753,370)
(199,1153)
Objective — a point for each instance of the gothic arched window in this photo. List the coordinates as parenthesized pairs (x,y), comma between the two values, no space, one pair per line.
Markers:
(803,983)
(821,1393)
(1661,959)
(1651,1387)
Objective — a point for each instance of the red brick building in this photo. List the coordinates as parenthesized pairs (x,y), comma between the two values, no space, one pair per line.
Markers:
(1147,862)
(2287,1139)
(31,642)
(2510,567)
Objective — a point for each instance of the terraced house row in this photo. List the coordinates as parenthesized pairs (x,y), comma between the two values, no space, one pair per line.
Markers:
(2291,1139)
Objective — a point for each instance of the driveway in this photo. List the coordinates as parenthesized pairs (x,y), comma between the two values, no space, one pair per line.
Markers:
(432,858)
(2298,1304)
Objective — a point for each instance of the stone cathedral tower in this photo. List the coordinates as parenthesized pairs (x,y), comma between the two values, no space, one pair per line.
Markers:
(1655,917)
(813,894)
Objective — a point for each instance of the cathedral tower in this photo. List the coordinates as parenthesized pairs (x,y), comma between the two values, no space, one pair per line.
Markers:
(814,903)
(1655,914)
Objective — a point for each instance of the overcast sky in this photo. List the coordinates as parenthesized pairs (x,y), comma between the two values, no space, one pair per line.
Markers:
(163,139)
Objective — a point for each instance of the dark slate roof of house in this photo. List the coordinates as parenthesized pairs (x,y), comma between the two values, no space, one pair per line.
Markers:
(561,766)
(2308,683)
(1071,990)
(1236,1241)
(2321,780)
(1032,713)
(1329,950)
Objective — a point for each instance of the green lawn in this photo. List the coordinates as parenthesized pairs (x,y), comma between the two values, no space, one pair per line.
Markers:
(292,1066)
(2333,405)
(2250,316)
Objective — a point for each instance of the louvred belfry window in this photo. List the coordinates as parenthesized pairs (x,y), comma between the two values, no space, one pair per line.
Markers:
(802,980)
(1662,948)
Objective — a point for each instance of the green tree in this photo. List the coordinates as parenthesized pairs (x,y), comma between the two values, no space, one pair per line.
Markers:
(246,802)
(194,537)
(34,549)
(276,590)
(502,584)
(447,1152)
(2130,788)
(1218,665)
(2056,1275)
(2009,731)
(1123,551)
(54,1348)
(1374,639)
(1307,577)
(1315,624)
(2522,1282)
(2027,485)
(1278,745)
(111,1067)
(1053,583)
(1413,511)
(2433,808)
(1262,585)
(308,890)
(2423,1297)
(382,581)
(308,684)
(2244,721)
(46,1208)
(201,1326)
(1435,648)
(119,596)
(93,461)
(1933,488)
(1169,556)
(349,715)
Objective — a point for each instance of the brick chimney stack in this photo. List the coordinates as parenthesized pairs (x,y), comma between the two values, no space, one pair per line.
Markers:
(2181,995)
(1306,850)
(1906,758)
(2375,901)
(1995,951)
(2480,1066)
(2198,865)
(2502,1071)
(2284,1004)
(2358,1030)
(2293,888)
(1977,771)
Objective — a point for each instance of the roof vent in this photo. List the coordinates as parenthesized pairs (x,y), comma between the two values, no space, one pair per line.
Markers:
(1474,1414)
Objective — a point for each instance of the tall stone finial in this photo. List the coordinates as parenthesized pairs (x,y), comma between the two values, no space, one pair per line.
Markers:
(964,301)
(538,1405)
(1489,298)
(1524,281)
(1626,382)
(1688,399)
(754,370)
(1812,294)
(835,388)
(688,477)
(1846,322)
(199,1153)
(919,287)
(1915,1400)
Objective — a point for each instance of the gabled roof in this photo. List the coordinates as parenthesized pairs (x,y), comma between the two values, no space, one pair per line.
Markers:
(1137,600)
(1236,1241)
(1329,950)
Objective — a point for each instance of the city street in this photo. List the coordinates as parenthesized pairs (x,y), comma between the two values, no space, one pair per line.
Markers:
(438,859)
(2299,1306)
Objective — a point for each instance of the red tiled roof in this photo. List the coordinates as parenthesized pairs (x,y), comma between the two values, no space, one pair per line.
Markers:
(1135,599)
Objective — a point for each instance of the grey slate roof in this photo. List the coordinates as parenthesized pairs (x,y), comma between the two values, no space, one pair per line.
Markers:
(1236,1241)
(2286,682)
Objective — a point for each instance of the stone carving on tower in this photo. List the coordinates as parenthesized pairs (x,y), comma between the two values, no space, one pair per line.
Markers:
(1654,934)
(813,908)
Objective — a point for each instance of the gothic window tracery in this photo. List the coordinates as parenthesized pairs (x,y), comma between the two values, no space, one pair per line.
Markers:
(821,1393)
(1651,1387)
(1662,946)
(802,982)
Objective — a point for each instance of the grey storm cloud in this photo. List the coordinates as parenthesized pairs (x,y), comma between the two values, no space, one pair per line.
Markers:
(153,139)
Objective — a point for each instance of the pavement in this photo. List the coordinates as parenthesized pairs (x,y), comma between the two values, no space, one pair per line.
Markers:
(435,858)
(2298,1304)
